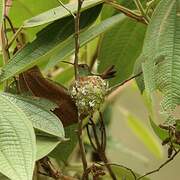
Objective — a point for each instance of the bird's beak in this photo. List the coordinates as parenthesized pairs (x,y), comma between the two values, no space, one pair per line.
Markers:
(67,62)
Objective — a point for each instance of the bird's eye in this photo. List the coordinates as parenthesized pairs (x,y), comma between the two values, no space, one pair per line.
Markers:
(82,65)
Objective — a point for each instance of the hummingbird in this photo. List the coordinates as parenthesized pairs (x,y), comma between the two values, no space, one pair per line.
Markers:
(84,70)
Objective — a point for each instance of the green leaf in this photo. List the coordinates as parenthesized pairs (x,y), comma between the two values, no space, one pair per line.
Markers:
(41,118)
(17,142)
(45,145)
(58,13)
(137,70)
(2,177)
(62,152)
(68,47)
(161,133)
(29,8)
(145,136)
(120,47)
(48,40)
(161,68)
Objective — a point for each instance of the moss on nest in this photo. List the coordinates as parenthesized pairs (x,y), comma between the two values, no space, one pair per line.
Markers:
(88,93)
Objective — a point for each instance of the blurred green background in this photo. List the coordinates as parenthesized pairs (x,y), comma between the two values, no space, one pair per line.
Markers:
(127,149)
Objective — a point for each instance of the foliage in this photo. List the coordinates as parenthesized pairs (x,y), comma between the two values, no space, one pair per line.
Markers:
(134,39)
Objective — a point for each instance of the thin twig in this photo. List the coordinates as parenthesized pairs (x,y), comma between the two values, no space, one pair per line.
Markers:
(100,149)
(10,23)
(77,24)
(14,32)
(49,168)
(106,163)
(95,134)
(90,139)
(127,11)
(64,6)
(103,135)
(5,51)
(81,146)
(76,59)
(161,166)
(124,82)
(141,9)
(77,31)
(14,37)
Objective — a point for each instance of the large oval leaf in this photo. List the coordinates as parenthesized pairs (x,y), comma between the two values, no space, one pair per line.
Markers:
(2,177)
(121,46)
(58,13)
(68,47)
(161,133)
(47,42)
(41,118)
(29,8)
(62,152)
(45,145)
(161,53)
(17,142)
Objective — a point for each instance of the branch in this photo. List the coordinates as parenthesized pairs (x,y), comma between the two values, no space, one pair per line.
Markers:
(81,145)
(127,11)
(161,166)
(77,30)
(4,42)
(103,133)
(15,36)
(90,139)
(64,6)
(124,82)
(141,9)
(15,33)
(101,145)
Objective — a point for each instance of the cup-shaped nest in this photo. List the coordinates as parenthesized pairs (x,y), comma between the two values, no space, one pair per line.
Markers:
(88,93)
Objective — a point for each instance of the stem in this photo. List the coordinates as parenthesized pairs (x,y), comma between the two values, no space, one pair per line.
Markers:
(10,23)
(161,166)
(5,51)
(124,82)
(4,43)
(63,5)
(81,146)
(76,59)
(14,37)
(127,11)
(90,139)
(108,166)
(101,149)
(141,9)
(77,30)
